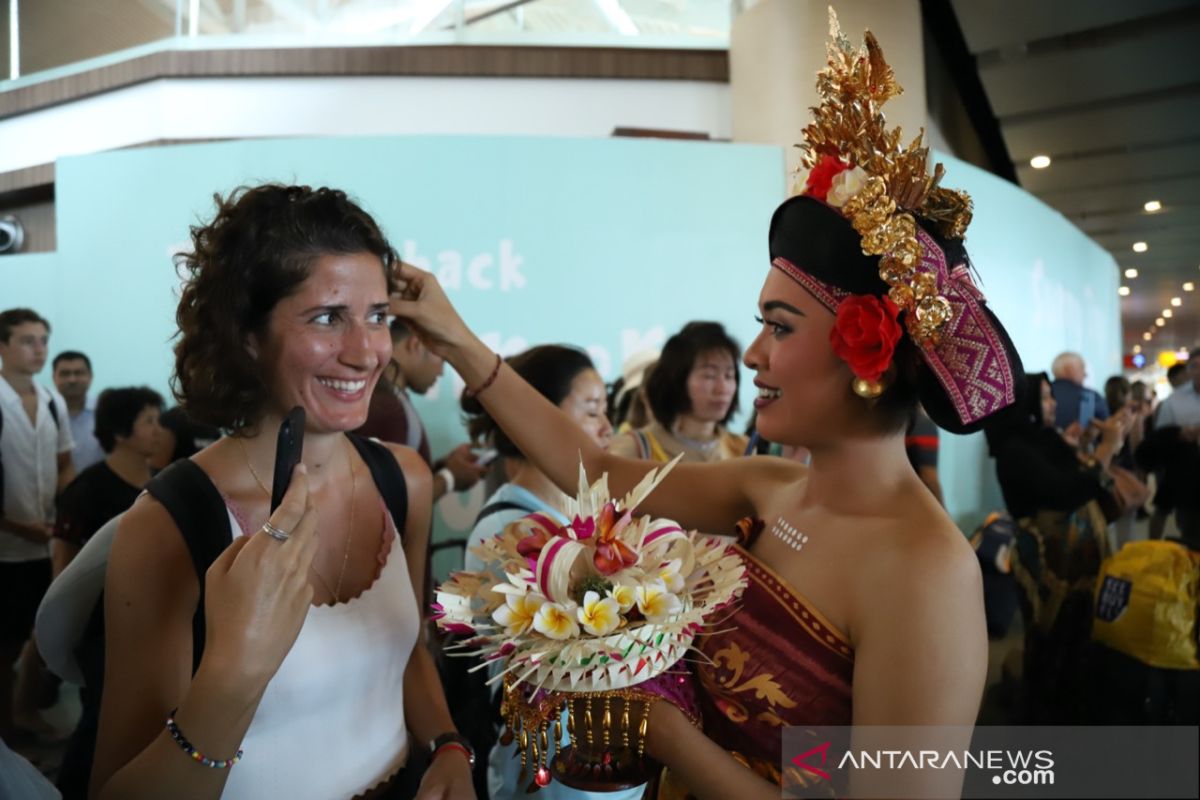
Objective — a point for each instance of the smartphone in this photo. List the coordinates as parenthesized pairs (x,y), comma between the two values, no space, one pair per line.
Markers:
(486,457)
(1087,409)
(289,446)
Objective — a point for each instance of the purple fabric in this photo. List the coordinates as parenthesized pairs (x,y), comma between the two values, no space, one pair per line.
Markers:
(969,358)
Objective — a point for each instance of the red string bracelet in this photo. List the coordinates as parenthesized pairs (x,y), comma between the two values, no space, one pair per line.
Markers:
(490,380)
(455,746)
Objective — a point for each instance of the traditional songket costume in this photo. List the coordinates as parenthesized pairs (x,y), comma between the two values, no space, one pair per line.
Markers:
(783,664)
(876,241)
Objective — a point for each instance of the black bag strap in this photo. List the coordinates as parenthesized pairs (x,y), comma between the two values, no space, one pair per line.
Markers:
(388,477)
(502,505)
(198,509)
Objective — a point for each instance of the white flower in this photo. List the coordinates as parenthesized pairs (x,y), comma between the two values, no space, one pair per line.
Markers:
(668,573)
(624,594)
(845,185)
(599,616)
(517,613)
(656,603)
(555,621)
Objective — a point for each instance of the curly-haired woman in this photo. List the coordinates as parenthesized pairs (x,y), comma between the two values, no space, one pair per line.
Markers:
(312,660)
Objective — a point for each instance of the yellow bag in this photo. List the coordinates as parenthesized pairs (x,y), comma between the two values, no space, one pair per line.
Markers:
(1146,602)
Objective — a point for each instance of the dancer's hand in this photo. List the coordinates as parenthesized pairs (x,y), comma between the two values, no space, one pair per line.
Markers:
(422,303)
(257,592)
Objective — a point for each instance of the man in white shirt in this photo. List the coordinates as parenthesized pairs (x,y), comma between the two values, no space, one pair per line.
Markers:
(73,377)
(35,457)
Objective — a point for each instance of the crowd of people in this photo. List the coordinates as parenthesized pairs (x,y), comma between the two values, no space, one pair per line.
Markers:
(231,647)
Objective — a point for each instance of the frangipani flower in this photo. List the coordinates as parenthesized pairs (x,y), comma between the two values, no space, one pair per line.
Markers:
(625,595)
(555,621)
(845,185)
(517,613)
(612,554)
(656,603)
(669,574)
(599,616)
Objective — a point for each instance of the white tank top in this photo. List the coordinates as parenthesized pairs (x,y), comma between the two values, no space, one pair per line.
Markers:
(331,722)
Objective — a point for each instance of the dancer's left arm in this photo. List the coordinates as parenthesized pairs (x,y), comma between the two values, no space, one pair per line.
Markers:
(425,709)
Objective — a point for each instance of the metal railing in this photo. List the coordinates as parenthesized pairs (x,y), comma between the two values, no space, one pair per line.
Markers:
(49,38)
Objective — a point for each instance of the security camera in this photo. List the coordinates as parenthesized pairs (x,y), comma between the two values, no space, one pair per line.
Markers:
(12,234)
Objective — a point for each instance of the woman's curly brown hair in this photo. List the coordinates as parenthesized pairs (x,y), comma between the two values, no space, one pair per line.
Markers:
(257,250)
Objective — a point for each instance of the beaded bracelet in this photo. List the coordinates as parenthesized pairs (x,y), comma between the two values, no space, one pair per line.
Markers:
(490,380)
(188,748)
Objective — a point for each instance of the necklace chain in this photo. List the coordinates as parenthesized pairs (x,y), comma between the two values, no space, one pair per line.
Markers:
(336,592)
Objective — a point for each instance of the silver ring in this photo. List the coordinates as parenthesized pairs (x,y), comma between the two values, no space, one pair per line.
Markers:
(278,534)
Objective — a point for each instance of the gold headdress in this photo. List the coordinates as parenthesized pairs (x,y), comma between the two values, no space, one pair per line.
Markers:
(877,184)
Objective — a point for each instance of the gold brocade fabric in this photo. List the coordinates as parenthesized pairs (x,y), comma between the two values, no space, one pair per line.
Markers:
(780,664)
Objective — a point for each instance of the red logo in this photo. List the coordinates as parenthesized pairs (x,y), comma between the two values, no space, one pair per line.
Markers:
(823,749)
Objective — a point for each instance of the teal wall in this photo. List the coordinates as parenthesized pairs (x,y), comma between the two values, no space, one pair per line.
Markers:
(608,244)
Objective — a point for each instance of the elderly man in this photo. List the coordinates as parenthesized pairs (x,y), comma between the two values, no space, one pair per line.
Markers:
(1076,403)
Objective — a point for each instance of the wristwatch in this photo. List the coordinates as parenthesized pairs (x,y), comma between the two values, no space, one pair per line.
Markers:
(456,739)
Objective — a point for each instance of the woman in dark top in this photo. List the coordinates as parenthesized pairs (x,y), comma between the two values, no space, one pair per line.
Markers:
(1050,488)
(128,430)
(1037,469)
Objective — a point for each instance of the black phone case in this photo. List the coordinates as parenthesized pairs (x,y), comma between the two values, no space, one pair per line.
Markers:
(289,446)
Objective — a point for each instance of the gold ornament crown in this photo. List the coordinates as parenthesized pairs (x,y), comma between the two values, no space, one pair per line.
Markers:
(896,185)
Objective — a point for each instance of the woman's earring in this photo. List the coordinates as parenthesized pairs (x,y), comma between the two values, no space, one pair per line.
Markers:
(868,390)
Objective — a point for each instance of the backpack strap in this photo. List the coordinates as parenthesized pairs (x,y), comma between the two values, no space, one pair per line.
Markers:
(501,505)
(190,497)
(388,477)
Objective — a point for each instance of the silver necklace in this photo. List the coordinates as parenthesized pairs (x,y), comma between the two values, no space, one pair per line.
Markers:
(787,533)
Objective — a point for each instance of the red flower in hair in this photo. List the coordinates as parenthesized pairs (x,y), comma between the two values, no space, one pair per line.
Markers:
(820,179)
(865,334)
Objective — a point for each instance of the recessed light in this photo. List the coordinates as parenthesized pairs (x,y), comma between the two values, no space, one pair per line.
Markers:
(1189,287)
(1175,301)
(1140,247)
(1131,272)
(1039,162)
(1160,322)
(1123,291)
(1137,348)
(1147,336)
(1152,206)
(1168,313)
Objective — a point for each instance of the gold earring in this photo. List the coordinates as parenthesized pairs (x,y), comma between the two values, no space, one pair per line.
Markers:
(868,390)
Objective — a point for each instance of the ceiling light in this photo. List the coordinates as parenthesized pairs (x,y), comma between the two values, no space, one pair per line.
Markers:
(1131,273)
(1123,291)
(1189,287)
(1137,348)
(1168,313)
(1175,301)
(1039,162)
(1160,322)
(1140,247)
(1152,206)
(1147,336)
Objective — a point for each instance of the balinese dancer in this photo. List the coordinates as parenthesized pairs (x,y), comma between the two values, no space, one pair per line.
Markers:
(865,603)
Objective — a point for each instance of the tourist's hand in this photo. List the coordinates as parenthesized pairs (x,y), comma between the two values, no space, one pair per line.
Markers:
(257,592)
(1071,434)
(422,303)
(448,778)
(462,464)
